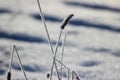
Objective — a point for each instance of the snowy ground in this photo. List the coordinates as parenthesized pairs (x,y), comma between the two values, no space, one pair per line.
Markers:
(92,47)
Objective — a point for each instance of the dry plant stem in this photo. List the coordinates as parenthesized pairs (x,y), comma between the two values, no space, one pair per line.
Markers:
(63,64)
(72,75)
(11,59)
(63,52)
(54,57)
(10,65)
(65,22)
(76,76)
(20,62)
(68,75)
(49,41)
(60,69)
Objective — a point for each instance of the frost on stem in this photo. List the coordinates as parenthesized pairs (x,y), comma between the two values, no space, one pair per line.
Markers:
(65,22)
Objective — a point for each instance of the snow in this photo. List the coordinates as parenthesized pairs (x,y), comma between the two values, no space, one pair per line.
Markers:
(92,46)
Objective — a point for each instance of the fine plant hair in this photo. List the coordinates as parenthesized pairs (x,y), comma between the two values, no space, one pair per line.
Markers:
(11,62)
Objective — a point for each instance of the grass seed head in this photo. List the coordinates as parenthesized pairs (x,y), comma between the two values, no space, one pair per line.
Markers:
(65,22)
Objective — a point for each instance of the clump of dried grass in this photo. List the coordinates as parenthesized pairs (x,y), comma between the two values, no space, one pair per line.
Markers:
(71,73)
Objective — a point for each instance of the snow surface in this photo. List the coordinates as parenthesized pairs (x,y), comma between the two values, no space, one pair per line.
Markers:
(92,47)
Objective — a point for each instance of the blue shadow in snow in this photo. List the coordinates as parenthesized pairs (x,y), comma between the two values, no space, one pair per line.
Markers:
(28,68)
(79,23)
(2,71)
(98,49)
(21,37)
(87,74)
(47,17)
(64,74)
(93,6)
(116,53)
(25,38)
(4,10)
(104,50)
(89,63)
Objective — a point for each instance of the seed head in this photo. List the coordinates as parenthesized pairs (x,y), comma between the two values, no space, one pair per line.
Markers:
(65,22)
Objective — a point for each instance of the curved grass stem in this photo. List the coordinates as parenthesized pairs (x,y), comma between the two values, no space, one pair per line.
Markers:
(20,63)
(49,40)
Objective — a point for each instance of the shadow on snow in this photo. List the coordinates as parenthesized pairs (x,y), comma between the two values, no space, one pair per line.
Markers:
(79,23)
(21,37)
(93,6)
(25,38)
(30,68)
(2,72)
(104,50)
(90,63)
(4,10)
(47,17)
